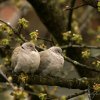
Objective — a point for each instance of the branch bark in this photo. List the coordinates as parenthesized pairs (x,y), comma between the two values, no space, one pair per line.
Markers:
(80,65)
(81,83)
(52,16)
(70,15)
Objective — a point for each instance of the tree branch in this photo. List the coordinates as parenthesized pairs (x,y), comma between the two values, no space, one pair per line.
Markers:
(73,8)
(70,16)
(52,16)
(77,64)
(80,46)
(15,32)
(81,83)
(77,94)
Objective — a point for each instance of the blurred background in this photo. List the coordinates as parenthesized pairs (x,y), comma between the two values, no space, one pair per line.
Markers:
(85,20)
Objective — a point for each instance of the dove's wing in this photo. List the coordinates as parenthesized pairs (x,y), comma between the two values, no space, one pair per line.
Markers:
(51,62)
(44,60)
(24,62)
(27,61)
(14,57)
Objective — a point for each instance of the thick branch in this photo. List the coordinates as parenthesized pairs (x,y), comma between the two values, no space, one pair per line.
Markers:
(52,16)
(81,83)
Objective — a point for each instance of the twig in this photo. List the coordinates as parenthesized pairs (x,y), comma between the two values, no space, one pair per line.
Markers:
(2,46)
(80,46)
(76,94)
(10,83)
(6,47)
(95,58)
(68,28)
(81,65)
(89,93)
(15,32)
(19,30)
(45,39)
(72,8)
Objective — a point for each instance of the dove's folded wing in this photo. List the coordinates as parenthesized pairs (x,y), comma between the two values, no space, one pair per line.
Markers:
(44,61)
(24,62)
(14,57)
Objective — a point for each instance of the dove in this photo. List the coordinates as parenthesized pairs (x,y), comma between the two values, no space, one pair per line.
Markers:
(25,58)
(51,61)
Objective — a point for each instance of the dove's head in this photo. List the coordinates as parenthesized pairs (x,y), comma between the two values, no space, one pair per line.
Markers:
(55,49)
(29,46)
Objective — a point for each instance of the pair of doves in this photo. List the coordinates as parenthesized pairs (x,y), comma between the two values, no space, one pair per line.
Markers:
(26,58)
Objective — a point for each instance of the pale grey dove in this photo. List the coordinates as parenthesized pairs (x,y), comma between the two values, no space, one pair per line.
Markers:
(51,61)
(25,58)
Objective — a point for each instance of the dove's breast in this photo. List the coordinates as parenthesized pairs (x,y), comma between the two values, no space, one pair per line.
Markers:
(27,61)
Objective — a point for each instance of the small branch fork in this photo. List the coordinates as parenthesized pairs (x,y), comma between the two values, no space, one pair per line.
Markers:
(15,32)
(72,8)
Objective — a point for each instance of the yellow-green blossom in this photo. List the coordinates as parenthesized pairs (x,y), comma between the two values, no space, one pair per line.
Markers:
(86,53)
(97,63)
(66,35)
(5,42)
(34,35)
(9,31)
(77,38)
(42,96)
(23,22)
(20,94)
(23,77)
(3,27)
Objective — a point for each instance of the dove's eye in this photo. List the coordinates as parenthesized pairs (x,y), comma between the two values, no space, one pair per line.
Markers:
(59,51)
(31,46)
